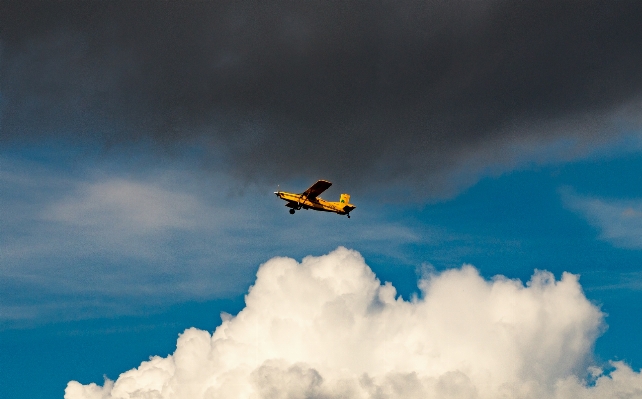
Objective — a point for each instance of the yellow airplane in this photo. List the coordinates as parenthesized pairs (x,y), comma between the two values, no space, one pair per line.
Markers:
(309,199)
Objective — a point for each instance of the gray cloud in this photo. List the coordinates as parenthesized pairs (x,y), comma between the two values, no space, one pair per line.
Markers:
(400,91)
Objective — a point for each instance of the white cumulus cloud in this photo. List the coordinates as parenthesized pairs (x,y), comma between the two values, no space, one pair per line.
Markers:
(327,328)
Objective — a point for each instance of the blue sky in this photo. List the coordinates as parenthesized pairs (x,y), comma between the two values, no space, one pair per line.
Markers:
(141,143)
(94,283)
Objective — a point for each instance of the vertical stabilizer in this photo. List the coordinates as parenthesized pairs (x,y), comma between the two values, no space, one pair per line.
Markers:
(345,199)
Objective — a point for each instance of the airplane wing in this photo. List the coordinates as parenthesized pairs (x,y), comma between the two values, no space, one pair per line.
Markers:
(316,189)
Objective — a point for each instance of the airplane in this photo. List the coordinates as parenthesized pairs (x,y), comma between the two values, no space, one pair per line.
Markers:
(309,199)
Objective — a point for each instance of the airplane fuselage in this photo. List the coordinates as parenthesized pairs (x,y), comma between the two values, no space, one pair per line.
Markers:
(309,199)
(296,201)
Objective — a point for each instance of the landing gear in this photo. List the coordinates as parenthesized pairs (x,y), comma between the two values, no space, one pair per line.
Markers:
(291,211)
(348,216)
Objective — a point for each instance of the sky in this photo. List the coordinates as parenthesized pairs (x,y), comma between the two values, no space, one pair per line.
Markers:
(492,148)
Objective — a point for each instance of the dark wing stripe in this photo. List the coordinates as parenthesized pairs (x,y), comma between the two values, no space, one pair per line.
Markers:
(316,189)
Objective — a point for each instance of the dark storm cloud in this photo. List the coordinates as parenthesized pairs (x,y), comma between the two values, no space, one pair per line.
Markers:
(399,90)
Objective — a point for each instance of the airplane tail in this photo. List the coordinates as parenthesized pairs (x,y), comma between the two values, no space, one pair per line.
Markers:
(345,199)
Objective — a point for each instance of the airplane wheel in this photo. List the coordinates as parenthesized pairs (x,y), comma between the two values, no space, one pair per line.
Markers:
(291,211)
(348,216)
